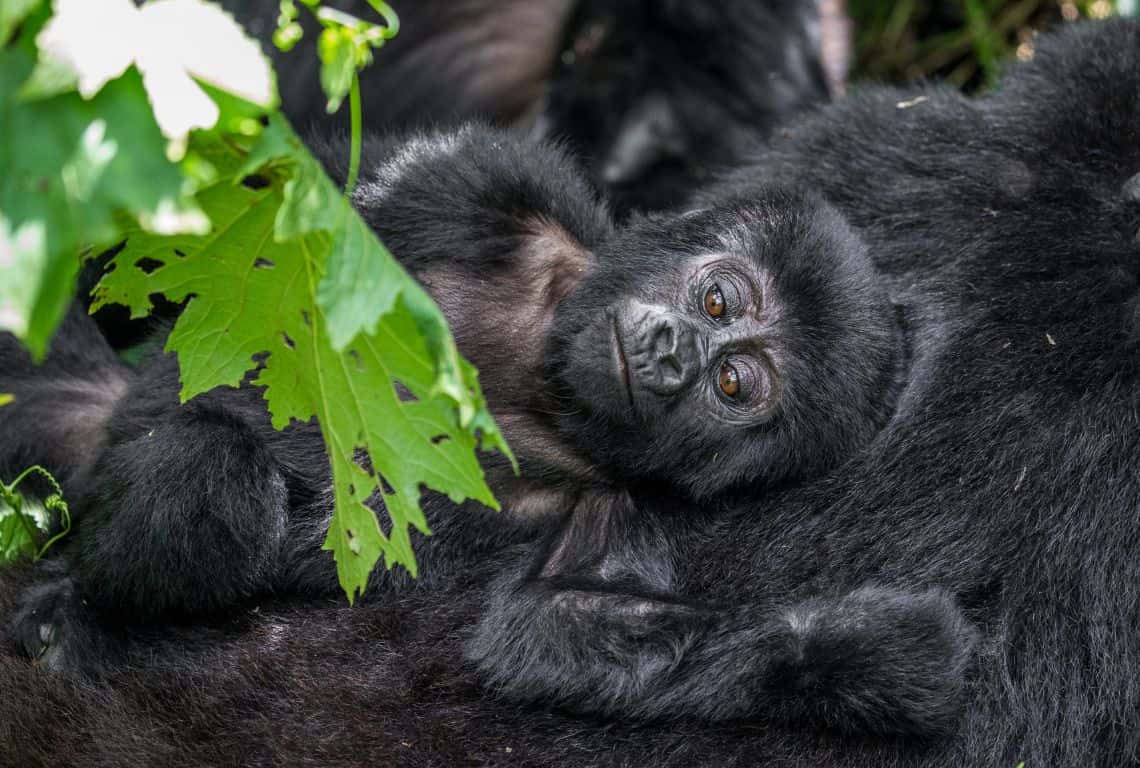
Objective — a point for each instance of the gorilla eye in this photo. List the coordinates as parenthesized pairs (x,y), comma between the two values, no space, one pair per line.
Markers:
(714,301)
(729,380)
(744,382)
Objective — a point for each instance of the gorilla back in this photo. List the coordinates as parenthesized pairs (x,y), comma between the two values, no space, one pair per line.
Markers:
(1007,477)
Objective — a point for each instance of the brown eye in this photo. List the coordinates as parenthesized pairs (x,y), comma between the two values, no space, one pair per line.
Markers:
(714,301)
(729,380)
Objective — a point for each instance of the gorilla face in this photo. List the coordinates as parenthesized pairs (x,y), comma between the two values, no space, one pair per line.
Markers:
(749,342)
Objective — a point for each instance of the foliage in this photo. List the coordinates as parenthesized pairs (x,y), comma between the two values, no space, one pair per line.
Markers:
(25,523)
(963,42)
(221,205)
(292,271)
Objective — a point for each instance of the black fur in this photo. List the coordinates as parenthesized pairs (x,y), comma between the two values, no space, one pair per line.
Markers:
(653,95)
(809,307)
(190,510)
(658,95)
(1006,477)
(254,502)
(61,408)
(608,634)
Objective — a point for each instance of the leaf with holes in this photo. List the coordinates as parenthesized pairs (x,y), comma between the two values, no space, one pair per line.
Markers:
(253,293)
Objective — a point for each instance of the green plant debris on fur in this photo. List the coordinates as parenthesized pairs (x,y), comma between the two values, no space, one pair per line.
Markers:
(26,523)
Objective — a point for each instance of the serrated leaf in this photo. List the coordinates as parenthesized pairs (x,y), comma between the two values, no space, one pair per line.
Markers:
(359,285)
(361,279)
(67,167)
(312,202)
(253,293)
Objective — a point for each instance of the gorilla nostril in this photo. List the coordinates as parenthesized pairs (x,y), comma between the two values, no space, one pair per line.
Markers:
(664,339)
(671,368)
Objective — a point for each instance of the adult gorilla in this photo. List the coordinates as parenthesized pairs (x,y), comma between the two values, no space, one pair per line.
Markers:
(1008,477)
(653,95)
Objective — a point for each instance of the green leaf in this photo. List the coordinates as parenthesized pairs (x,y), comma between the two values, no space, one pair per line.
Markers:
(359,285)
(16,541)
(67,167)
(5,399)
(25,521)
(337,51)
(254,292)
(99,39)
(312,203)
(12,14)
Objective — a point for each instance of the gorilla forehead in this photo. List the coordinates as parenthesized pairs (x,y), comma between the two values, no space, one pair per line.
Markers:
(797,247)
(797,235)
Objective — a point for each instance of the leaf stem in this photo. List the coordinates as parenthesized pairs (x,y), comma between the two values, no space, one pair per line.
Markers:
(391,26)
(63,532)
(357,138)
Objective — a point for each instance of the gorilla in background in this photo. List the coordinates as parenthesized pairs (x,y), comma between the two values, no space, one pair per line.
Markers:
(1007,476)
(653,94)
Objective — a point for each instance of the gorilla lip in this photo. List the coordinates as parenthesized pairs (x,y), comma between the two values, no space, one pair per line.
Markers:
(622,363)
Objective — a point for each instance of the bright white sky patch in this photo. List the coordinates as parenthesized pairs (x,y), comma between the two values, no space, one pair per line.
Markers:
(99,39)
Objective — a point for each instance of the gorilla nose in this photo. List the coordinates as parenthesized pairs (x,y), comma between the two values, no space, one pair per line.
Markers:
(671,354)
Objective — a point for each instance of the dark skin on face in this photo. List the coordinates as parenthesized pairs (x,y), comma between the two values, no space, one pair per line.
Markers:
(728,348)
(710,350)
(722,341)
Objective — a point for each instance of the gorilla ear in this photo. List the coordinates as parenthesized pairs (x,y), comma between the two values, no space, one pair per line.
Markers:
(550,251)
(649,133)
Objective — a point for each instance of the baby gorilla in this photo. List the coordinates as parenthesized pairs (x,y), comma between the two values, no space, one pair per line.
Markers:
(634,373)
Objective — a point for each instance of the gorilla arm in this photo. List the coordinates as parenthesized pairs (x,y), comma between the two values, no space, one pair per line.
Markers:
(596,631)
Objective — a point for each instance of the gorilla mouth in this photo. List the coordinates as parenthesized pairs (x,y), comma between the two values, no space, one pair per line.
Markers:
(622,364)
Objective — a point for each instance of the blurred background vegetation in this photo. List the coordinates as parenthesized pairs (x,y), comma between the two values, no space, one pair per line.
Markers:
(964,42)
